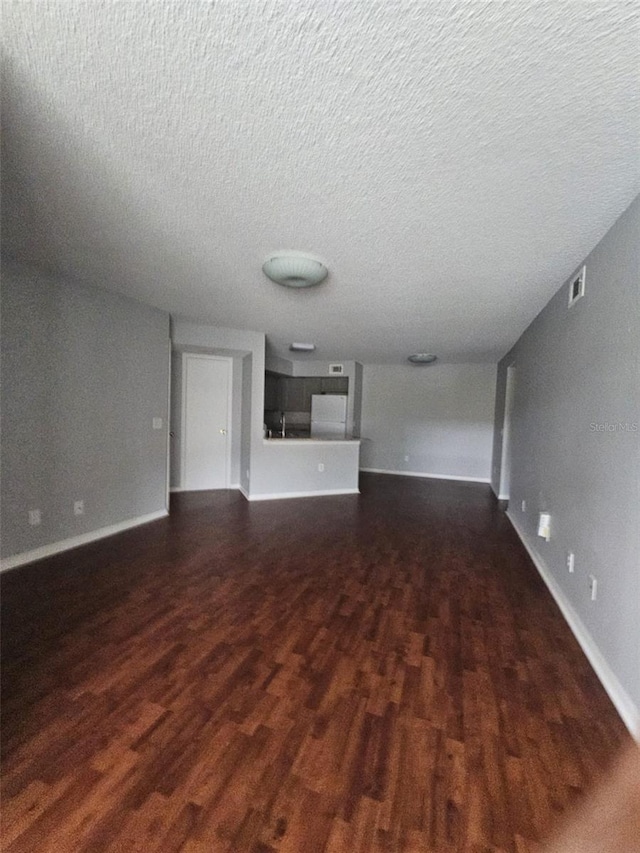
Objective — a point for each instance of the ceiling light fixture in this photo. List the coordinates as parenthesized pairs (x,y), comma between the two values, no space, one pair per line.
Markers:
(294,270)
(302,347)
(422,358)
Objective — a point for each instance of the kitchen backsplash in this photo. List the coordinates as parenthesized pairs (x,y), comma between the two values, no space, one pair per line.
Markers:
(292,419)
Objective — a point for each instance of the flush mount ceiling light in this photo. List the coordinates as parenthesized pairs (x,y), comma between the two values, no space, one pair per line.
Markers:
(302,347)
(422,358)
(294,270)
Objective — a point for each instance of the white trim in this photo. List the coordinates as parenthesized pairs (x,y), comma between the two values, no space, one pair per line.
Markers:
(502,497)
(175,489)
(278,495)
(207,489)
(505,448)
(168,430)
(427,476)
(244,492)
(84,538)
(624,704)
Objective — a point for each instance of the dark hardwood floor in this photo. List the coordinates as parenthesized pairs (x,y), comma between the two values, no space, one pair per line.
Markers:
(383,672)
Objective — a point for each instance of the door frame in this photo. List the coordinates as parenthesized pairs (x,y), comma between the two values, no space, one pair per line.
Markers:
(504,486)
(183,419)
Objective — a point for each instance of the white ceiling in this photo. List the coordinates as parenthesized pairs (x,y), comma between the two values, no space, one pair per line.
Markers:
(452,162)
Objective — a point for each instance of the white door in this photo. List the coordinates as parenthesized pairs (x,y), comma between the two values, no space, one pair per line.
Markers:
(206,388)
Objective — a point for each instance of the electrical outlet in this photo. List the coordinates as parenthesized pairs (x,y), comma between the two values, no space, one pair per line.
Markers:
(320,466)
(593,587)
(406,458)
(35,517)
(571,562)
(78,507)
(157,423)
(524,506)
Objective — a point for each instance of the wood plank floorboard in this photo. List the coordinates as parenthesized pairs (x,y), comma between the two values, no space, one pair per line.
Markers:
(353,674)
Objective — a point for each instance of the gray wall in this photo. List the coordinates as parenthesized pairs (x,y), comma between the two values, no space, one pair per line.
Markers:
(575,451)
(291,468)
(84,372)
(440,416)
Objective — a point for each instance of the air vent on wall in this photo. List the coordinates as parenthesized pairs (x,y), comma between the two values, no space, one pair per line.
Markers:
(335,369)
(576,288)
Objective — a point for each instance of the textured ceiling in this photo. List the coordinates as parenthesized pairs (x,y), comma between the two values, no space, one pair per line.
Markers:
(451,162)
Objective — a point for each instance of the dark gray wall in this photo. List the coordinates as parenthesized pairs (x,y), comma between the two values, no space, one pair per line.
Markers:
(576,451)
(84,372)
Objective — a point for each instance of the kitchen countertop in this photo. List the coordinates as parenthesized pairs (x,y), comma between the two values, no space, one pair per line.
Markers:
(311,440)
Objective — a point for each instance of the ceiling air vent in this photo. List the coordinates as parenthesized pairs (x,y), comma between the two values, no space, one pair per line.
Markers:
(336,369)
(576,288)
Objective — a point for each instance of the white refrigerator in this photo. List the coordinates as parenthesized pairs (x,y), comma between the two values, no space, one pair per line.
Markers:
(328,415)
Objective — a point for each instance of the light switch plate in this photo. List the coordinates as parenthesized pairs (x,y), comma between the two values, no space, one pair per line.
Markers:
(544,526)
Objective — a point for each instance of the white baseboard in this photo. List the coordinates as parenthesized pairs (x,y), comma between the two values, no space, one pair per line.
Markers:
(283,495)
(244,492)
(84,538)
(176,489)
(625,706)
(427,476)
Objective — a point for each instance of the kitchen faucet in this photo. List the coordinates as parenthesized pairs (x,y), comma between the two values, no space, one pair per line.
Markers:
(283,422)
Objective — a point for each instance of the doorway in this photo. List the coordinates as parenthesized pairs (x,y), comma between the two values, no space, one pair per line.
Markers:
(505,461)
(206,408)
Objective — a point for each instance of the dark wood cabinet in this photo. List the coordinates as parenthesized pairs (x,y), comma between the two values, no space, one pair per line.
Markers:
(335,385)
(294,393)
(271,401)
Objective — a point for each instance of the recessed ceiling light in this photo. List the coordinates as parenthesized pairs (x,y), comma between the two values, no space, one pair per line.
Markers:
(422,358)
(294,270)
(302,347)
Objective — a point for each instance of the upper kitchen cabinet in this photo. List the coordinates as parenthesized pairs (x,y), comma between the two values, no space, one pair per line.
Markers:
(312,385)
(271,392)
(334,385)
(292,394)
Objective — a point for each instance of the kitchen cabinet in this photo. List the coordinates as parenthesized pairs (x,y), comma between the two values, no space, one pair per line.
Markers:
(311,385)
(335,385)
(293,393)
(271,401)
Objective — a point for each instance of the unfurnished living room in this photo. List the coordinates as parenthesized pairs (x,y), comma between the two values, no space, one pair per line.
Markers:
(320,426)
